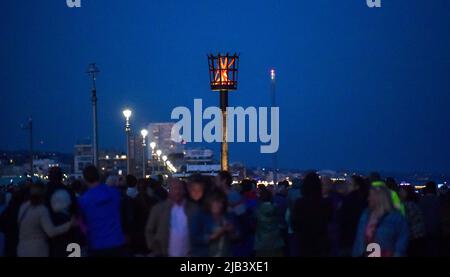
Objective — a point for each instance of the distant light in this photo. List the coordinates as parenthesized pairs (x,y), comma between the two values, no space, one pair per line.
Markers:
(120,172)
(127,113)
(272,74)
(107,157)
(153,145)
(164,158)
(144,133)
(123,157)
(158,152)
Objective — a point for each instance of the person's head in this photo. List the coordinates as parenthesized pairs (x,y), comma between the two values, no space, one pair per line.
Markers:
(77,186)
(355,182)
(271,188)
(312,187)
(176,190)
(91,175)
(265,195)
(282,187)
(380,199)
(131,181)
(297,183)
(374,176)
(407,194)
(430,188)
(216,203)
(37,193)
(391,184)
(224,180)
(55,175)
(246,185)
(142,185)
(196,187)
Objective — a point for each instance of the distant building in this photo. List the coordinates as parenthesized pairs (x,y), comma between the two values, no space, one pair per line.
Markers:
(161,134)
(198,160)
(82,157)
(41,166)
(112,162)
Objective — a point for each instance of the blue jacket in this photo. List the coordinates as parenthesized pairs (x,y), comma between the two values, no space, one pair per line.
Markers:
(202,227)
(392,234)
(100,208)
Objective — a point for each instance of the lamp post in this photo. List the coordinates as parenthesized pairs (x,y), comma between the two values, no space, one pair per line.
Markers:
(158,154)
(152,146)
(93,72)
(223,75)
(144,134)
(127,114)
(273,104)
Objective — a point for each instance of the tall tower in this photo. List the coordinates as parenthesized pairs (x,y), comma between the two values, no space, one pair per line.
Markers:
(273,104)
(93,72)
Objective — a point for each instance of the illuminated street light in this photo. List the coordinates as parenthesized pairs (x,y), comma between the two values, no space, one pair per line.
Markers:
(144,134)
(127,114)
(152,146)
(273,103)
(158,154)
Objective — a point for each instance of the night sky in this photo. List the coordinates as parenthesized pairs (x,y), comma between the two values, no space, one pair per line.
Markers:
(358,88)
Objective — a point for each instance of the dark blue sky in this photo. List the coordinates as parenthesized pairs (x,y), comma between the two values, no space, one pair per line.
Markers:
(358,88)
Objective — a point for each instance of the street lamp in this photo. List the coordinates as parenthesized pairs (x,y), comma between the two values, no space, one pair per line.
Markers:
(152,146)
(158,154)
(273,103)
(144,134)
(223,76)
(127,114)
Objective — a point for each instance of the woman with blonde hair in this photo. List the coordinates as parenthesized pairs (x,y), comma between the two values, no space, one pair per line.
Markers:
(381,225)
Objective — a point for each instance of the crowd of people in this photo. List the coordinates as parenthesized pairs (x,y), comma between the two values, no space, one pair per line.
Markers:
(206,216)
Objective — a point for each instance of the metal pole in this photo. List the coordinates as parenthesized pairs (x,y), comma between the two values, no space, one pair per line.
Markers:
(95,128)
(273,102)
(143,158)
(128,150)
(93,70)
(224,143)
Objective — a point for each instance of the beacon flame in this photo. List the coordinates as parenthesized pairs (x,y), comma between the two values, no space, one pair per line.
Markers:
(223,71)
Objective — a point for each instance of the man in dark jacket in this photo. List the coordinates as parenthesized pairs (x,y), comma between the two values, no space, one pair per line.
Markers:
(352,207)
(310,218)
